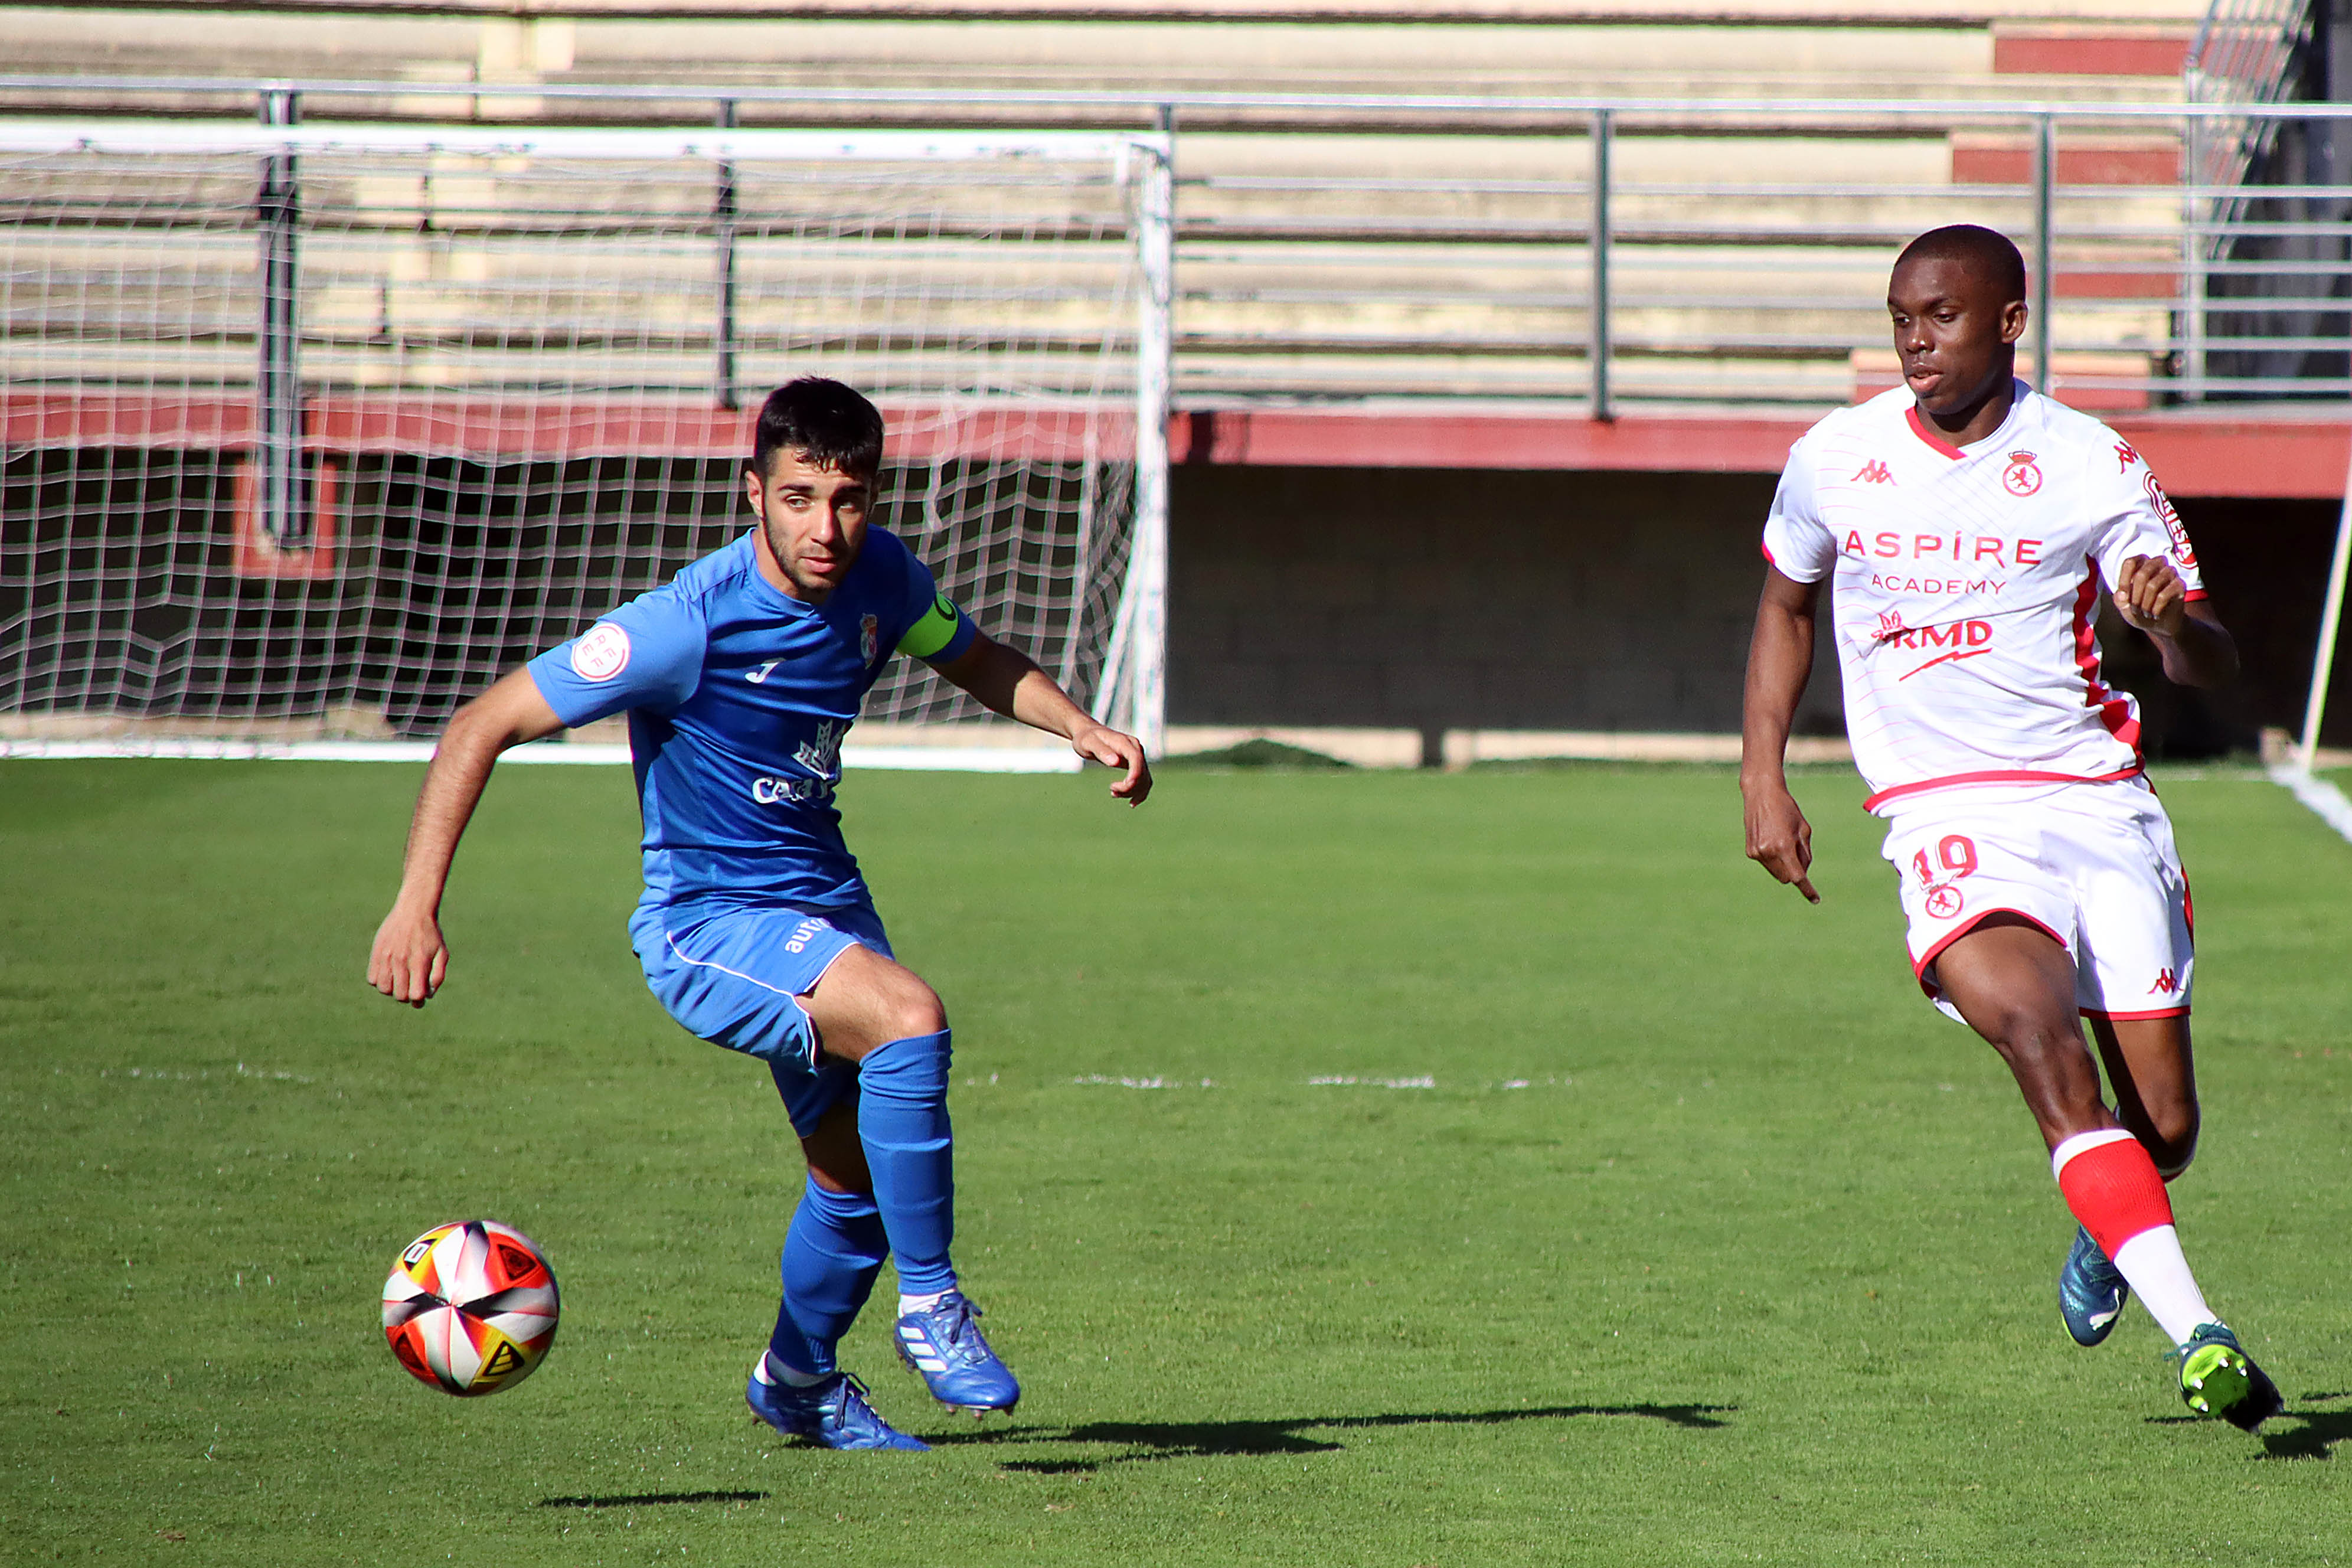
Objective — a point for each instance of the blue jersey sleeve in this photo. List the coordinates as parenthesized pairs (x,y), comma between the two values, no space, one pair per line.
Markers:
(646,654)
(930,625)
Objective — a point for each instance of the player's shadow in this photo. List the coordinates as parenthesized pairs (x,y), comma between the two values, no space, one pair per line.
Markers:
(1148,1441)
(650,1499)
(2317,1438)
(2314,1438)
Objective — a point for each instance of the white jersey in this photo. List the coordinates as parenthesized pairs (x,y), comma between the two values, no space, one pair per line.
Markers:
(1967,580)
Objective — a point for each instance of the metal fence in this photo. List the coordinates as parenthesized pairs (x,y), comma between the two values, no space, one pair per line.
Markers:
(1615,255)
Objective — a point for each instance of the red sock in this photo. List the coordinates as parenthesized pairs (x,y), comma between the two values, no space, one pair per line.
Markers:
(2112,1185)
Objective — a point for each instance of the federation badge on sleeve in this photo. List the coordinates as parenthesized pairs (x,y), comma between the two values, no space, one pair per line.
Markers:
(601,652)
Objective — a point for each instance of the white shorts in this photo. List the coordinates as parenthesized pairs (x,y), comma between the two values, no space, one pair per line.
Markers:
(2091,864)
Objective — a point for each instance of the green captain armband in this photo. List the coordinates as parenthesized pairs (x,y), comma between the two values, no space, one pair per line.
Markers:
(934,631)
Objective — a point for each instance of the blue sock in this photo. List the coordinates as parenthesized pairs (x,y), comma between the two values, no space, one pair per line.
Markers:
(832,1254)
(902,1120)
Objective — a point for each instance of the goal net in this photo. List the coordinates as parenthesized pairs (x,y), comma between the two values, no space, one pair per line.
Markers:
(318,429)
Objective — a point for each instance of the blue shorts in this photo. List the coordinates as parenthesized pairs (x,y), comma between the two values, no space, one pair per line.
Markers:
(736,978)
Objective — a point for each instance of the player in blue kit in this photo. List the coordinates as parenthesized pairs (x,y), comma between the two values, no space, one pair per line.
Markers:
(741,677)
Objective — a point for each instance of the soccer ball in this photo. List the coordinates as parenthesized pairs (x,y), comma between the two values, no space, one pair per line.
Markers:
(470,1307)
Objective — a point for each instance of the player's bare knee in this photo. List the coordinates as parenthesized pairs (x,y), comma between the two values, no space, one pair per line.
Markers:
(2174,1146)
(2030,1042)
(910,1007)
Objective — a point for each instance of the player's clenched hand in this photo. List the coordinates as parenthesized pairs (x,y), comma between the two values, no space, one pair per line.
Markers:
(1100,743)
(2150,595)
(409,960)
(1779,839)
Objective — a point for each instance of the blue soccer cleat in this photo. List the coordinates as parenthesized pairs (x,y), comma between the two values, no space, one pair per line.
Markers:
(944,1344)
(832,1414)
(2218,1378)
(2091,1292)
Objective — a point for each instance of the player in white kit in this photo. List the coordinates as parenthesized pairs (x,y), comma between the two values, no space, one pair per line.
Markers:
(1969,525)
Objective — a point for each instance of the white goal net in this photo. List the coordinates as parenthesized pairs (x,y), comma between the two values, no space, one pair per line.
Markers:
(323,427)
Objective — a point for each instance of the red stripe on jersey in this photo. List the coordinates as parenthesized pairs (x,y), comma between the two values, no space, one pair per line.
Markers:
(2115,712)
(1919,428)
(2133,1017)
(1998,776)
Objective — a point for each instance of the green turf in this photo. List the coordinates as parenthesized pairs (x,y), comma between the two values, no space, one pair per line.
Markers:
(1711,1241)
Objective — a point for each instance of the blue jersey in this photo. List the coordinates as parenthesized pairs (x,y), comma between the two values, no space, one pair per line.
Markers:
(738,696)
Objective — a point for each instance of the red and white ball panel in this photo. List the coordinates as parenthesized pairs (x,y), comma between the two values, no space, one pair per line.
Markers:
(470,1307)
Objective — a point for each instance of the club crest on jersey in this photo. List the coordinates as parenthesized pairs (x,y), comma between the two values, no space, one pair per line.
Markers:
(2181,552)
(869,637)
(2020,478)
(1943,900)
(1874,472)
(601,653)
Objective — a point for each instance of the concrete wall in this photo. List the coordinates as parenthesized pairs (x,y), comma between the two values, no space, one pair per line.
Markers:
(1430,599)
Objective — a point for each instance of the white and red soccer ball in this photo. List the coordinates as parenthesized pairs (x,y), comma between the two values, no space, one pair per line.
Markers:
(470,1307)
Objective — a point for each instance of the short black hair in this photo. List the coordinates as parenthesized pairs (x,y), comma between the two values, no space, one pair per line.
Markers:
(829,423)
(1984,251)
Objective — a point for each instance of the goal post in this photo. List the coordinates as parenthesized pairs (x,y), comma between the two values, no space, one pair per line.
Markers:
(319,428)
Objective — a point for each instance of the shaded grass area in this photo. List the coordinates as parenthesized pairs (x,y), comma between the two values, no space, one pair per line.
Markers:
(1706,1240)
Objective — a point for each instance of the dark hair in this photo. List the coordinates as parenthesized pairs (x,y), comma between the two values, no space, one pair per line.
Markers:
(1982,251)
(829,423)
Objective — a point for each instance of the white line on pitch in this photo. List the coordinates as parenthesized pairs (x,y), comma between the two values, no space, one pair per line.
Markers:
(2324,799)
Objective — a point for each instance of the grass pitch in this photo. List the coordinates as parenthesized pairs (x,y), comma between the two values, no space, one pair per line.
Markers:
(1387,1168)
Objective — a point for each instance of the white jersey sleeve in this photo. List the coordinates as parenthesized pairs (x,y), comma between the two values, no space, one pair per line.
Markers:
(1796,541)
(2133,516)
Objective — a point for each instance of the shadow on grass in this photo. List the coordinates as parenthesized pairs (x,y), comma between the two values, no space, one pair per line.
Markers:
(650,1499)
(2318,1437)
(1150,1440)
(2315,1439)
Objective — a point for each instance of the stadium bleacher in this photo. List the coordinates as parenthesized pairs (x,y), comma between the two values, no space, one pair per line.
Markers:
(1360,279)
(1362,256)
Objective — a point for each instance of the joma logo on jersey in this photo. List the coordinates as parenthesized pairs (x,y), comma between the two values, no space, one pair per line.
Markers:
(1874,472)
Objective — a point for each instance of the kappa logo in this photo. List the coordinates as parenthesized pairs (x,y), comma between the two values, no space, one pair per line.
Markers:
(2125,456)
(869,637)
(2167,982)
(1890,625)
(2020,478)
(1874,472)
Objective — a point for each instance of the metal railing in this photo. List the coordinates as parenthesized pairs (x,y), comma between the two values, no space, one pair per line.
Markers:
(1617,254)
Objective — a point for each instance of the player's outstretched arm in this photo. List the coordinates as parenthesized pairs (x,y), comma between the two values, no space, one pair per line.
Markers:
(1779,662)
(2198,650)
(410,959)
(1009,682)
